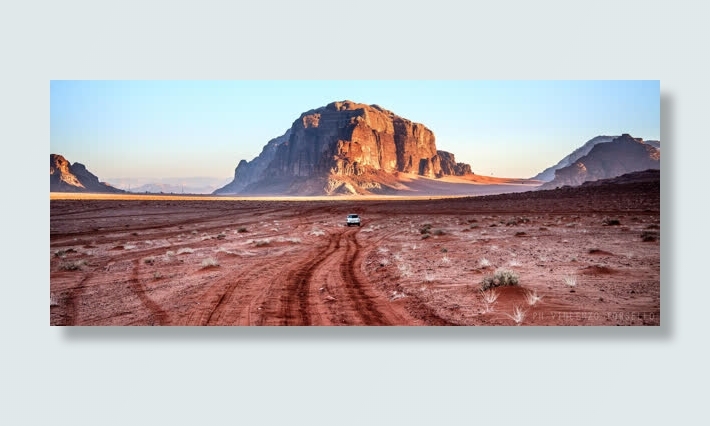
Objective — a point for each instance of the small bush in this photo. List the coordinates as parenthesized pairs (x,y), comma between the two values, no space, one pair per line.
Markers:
(262,243)
(185,250)
(570,280)
(210,262)
(484,263)
(501,278)
(444,250)
(149,260)
(73,266)
(648,236)
(425,229)
(242,230)
(489,299)
(439,232)
(532,297)
(425,236)
(221,236)
(610,222)
(518,315)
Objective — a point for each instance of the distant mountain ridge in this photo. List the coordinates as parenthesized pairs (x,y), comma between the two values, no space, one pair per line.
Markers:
(67,177)
(344,148)
(624,154)
(549,173)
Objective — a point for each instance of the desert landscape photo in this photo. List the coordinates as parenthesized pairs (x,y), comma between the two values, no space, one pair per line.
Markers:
(463,203)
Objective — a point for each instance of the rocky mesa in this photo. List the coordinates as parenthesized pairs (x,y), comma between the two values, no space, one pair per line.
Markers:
(67,177)
(344,148)
(624,154)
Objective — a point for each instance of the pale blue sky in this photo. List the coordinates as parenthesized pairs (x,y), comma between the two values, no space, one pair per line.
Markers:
(162,129)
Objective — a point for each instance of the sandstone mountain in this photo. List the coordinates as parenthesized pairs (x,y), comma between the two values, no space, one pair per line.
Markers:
(549,173)
(622,155)
(344,148)
(66,177)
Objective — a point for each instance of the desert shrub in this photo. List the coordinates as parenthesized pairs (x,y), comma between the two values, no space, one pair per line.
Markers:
(492,225)
(439,232)
(73,266)
(425,229)
(221,236)
(648,236)
(262,243)
(425,236)
(242,230)
(520,234)
(185,250)
(570,280)
(501,278)
(444,250)
(62,253)
(209,262)
(611,222)
(489,298)
(484,263)
(532,297)
(518,315)
(149,260)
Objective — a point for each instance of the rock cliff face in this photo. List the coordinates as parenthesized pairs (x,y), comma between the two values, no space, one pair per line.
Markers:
(66,177)
(344,147)
(624,154)
(249,172)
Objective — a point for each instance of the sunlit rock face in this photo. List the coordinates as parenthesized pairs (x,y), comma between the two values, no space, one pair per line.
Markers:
(349,143)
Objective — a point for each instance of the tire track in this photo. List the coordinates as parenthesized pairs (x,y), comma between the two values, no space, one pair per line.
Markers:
(156,311)
(295,309)
(363,303)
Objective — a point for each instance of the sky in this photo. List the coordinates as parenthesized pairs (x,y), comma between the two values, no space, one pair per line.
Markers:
(178,129)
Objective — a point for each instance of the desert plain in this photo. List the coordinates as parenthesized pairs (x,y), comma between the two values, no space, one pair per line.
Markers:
(586,255)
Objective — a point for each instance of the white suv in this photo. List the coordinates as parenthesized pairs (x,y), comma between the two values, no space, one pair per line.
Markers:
(352,219)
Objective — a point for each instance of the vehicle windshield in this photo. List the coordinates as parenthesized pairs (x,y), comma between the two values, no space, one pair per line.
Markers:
(352,216)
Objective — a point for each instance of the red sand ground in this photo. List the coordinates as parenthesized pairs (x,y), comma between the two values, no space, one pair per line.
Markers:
(173,261)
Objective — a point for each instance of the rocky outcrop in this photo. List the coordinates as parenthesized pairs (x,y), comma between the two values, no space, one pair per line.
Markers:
(66,177)
(344,147)
(549,173)
(450,167)
(249,172)
(624,154)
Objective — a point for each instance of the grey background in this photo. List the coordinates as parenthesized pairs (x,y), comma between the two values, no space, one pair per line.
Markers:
(118,376)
